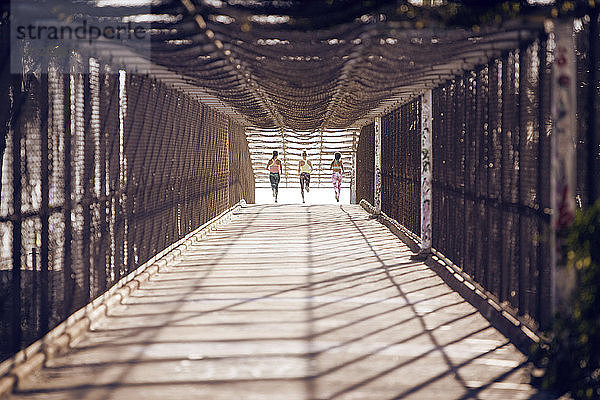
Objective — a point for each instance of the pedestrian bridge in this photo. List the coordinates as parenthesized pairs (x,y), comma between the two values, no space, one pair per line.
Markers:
(135,260)
(294,302)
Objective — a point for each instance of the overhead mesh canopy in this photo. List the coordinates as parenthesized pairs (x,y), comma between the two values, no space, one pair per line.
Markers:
(291,69)
(260,58)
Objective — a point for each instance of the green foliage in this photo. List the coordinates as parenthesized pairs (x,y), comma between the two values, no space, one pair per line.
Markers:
(572,355)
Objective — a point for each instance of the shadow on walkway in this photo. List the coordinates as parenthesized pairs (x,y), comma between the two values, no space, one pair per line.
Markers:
(291,302)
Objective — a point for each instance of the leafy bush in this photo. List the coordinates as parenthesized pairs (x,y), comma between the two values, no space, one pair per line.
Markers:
(571,357)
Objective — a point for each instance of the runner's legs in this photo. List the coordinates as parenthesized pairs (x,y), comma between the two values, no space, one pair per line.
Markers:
(274,178)
(336,178)
(304,182)
(307,182)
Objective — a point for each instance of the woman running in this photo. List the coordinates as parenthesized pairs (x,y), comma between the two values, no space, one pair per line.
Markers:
(274,167)
(304,169)
(338,171)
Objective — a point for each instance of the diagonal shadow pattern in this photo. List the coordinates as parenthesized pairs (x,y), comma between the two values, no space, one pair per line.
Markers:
(291,302)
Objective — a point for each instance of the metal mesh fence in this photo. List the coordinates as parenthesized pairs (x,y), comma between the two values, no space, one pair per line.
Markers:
(491,163)
(241,174)
(490,181)
(101,171)
(401,165)
(365,164)
(491,168)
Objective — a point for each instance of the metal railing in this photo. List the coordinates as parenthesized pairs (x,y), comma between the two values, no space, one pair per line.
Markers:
(365,162)
(105,170)
(491,196)
(401,165)
(491,168)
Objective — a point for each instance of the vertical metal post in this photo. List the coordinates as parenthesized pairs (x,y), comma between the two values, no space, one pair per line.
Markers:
(426,149)
(321,169)
(69,284)
(563,154)
(488,281)
(88,170)
(523,273)
(34,287)
(593,132)
(353,177)
(16,332)
(503,293)
(44,310)
(120,181)
(377,186)
(103,251)
(227,158)
(543,267)
(284,150)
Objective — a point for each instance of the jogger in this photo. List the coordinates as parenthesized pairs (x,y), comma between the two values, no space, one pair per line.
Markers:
(304,169)
(336,178)
(274,167)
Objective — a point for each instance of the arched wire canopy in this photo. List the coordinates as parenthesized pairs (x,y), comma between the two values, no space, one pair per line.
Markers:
(275,73)
(292,70)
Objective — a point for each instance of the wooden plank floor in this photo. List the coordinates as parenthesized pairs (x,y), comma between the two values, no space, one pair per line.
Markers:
(291,302)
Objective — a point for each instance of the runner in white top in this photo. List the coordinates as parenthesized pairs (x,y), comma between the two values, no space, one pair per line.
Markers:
(304,169)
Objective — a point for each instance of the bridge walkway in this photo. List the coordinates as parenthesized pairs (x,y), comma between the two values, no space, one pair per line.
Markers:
(290,302)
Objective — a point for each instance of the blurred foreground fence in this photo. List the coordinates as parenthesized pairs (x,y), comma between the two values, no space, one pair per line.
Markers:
(491,168)
(100,171)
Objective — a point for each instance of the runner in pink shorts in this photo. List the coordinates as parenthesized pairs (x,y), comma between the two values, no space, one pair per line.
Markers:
(338,171)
